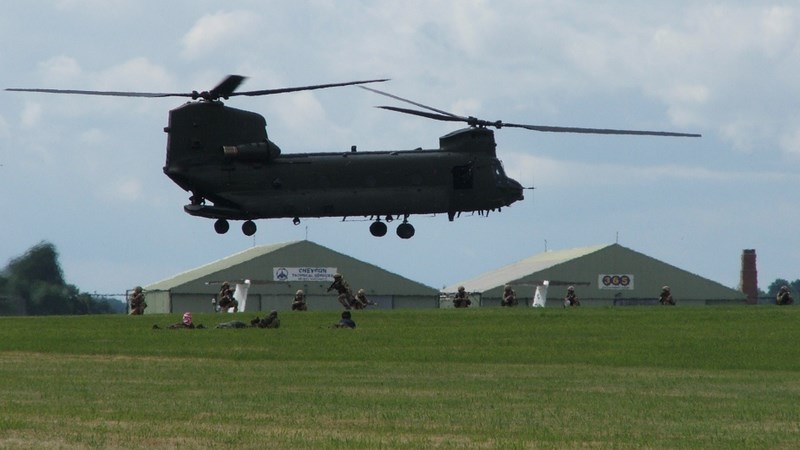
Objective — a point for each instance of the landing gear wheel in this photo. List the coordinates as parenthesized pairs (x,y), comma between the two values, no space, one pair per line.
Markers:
(378,229)
(221,226)
(405,230)
(249,228)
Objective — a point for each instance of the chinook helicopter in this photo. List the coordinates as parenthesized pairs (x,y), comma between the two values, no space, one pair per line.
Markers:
(223,157)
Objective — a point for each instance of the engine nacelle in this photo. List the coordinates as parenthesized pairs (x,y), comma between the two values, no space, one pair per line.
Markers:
(256,151)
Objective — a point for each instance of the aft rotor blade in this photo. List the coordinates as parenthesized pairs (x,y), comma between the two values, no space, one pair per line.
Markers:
(429,108)
(104,93)
(546,128)
(306,88)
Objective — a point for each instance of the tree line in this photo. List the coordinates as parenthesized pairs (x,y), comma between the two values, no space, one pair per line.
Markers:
(33,284)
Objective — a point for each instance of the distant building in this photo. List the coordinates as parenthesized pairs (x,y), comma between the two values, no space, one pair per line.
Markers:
(602,275)
(277,272)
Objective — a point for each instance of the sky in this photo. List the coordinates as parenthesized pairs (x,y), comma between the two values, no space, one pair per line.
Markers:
(85,173)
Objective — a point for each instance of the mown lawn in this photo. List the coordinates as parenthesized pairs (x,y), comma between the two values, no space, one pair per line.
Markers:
(632,377)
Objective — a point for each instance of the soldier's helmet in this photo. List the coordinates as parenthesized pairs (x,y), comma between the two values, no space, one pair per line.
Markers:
(784,288)
(346,315)
(299,292)
(273,313)
(571,288)
(336,276)
(226,284)
(665,288)
(137,289)
(461,289)
(361,292)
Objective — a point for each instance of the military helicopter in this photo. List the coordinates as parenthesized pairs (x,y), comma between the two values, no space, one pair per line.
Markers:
(223,157)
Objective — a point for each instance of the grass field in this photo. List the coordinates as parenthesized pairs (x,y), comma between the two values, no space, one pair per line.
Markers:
(633,377)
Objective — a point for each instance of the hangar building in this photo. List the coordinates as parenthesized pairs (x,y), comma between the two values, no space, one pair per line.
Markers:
(277,272)
(602,275)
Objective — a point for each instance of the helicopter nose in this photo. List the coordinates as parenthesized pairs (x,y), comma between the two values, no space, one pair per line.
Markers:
(512,190)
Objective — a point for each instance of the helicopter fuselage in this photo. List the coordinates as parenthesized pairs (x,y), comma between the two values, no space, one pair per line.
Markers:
(223,155)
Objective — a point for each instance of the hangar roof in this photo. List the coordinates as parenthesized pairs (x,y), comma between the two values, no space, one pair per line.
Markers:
(257,264)
(522,268)
(591,268)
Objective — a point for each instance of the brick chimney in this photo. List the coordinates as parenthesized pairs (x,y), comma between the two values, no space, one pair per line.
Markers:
(748,283)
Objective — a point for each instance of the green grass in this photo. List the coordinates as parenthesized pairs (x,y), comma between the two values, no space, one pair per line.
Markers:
(634,377)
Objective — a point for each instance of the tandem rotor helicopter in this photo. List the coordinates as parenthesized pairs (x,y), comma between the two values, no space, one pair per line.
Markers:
(233,171)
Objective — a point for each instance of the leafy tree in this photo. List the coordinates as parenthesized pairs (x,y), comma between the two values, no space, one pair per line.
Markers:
(37,279)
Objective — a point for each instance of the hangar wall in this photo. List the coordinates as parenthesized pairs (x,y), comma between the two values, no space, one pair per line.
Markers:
(193,290)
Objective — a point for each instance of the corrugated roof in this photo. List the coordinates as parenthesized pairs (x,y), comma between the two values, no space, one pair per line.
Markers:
(216,266)
(522,268)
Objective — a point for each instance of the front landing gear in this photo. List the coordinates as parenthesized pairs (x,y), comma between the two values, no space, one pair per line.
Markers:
(221,226)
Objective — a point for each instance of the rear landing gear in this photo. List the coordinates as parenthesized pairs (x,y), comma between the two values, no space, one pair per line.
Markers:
(405,230)
(249,228)
(378,229)
(221,226)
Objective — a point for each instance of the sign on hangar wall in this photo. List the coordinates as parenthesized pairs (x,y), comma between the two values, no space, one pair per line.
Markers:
(615,281)
(303,273)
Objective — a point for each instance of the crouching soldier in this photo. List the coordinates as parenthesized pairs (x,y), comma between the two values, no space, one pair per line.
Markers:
(137,301)
(270,321)
(361,300)
(299,302)
(509,297)
(461,299)
(665,298)
(784,296)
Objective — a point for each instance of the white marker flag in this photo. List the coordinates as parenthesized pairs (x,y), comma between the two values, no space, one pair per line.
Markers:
(540,297)
(240,294)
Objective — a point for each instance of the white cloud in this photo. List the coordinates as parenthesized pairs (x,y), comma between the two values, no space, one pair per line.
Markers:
(136,74)
(212,33)
(124,189)
(31,114)
(60,70)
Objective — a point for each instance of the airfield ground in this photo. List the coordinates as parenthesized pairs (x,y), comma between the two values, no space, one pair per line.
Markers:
(633,377)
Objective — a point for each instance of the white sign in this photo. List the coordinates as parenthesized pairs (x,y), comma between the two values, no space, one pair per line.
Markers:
(303,273)
(615,282)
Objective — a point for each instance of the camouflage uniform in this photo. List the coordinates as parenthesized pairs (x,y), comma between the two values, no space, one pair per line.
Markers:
(226,300)
(461,299)
(270,321)
(509,297)
(784,296)
(345,293)
(361,301)
(299,302)
(666,297)
(137,302)
(571,299)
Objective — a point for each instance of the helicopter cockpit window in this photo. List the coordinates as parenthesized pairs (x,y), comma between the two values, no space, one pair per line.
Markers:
(499,173)
(462,177)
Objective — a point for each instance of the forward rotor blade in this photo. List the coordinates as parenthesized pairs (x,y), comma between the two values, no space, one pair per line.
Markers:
(226,87)
(104,93)
(306,88)
(414,112)
(429,108)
